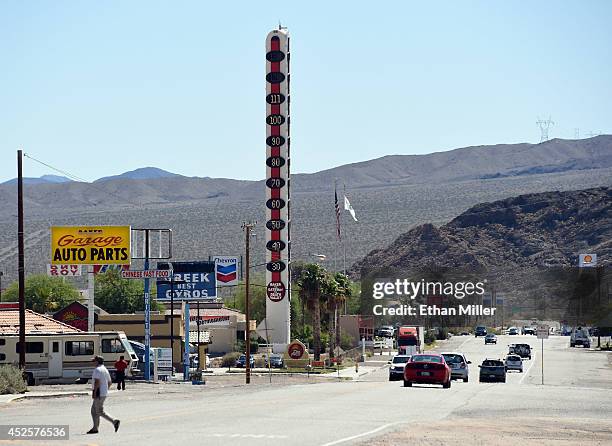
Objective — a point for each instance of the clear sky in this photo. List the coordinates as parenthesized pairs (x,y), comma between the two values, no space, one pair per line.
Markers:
(97,88)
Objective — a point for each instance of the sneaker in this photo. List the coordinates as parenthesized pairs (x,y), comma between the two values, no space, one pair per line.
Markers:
(116,424)
(93,431)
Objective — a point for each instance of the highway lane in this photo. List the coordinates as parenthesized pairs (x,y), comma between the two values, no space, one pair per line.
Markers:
(330,413)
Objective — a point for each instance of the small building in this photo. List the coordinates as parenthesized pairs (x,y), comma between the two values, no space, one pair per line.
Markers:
(77,314)
(220,328)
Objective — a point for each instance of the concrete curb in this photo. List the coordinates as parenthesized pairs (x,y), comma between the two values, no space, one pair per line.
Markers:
(23,396)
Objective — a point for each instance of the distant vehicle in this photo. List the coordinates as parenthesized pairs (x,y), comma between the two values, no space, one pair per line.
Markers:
(241,361)
(480,331)
(514,362)
(458,365)
(276,361)
(396,367)
(427,369)
(580,336)
(139,350)
(465,333)
(512,331)
(523,350)
(386,331)
(410,340)
(194,362)
(528,330)
(492,370)
(593,331)
(490,339)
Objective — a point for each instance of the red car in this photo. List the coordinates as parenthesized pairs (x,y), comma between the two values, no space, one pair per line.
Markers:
(430,368)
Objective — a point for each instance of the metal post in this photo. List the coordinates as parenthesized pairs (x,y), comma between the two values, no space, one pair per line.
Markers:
(199,355)
(246,306)
(1,274)
(21,262)
(542,361)
(247,227)
(172,316)
(147,342)
(90,298)
(186,353)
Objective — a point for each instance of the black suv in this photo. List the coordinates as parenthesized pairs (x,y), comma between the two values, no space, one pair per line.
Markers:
(480,331)
(492,370)
(523,350)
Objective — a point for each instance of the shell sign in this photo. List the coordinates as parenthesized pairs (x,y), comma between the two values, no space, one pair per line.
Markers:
(90,245)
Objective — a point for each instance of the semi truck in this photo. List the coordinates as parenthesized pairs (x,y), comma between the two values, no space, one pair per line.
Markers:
(410,340)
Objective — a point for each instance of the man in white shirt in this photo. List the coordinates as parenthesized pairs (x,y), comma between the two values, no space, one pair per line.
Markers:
(101,381)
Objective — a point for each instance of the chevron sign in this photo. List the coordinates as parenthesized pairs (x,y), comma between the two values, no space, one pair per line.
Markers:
(226,270)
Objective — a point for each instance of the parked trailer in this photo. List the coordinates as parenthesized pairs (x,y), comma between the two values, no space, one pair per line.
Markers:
(66,357)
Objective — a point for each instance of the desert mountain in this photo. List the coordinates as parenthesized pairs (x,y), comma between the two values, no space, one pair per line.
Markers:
(391,195)
(543,229)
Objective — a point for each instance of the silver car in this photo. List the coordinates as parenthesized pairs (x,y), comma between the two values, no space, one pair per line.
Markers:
(458,365)
(514,362)
(396,367)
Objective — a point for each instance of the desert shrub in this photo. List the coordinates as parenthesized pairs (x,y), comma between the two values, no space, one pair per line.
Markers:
(430,337)
(229,359)
(11,380)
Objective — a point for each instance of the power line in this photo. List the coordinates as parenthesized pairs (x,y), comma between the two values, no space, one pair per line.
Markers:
(81,180)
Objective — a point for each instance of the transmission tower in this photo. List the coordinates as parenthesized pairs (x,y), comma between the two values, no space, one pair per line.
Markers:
(544,126)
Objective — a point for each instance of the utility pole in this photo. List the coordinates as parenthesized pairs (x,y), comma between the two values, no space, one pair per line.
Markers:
(247,227)
(21,262)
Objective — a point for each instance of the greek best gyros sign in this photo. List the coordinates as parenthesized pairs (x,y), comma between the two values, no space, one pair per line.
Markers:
(90,245)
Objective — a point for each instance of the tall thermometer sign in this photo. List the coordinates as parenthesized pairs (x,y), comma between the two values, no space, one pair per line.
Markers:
(278,235)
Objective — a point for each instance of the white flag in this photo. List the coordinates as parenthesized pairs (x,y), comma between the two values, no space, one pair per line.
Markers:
(348,207)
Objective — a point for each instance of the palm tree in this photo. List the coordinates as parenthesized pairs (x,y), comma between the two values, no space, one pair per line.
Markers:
(311,282)
(343,292)
(329,292)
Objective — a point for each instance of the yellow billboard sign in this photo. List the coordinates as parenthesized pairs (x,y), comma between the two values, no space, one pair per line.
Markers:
(91,245)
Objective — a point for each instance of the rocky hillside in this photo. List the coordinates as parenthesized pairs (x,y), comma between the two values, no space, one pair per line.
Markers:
(541,229)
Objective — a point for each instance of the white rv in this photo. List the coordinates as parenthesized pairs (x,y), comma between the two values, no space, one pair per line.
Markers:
(66,357)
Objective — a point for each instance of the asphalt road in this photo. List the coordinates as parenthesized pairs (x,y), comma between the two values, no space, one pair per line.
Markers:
(373,410)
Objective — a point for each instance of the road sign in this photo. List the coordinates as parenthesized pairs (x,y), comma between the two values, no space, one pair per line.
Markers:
(587,260)
(146,274)
(543,331)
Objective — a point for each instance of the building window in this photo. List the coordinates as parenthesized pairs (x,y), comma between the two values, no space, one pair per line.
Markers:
(2,357)
(2,341)
(79,348)
(112,346)
(31,347)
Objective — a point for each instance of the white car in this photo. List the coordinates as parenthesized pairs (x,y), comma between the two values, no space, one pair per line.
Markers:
(514,362)
(396,367)
(513,331)
(458,365)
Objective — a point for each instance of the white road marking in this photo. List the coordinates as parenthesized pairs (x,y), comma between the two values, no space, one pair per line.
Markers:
(270,437)
(364,434)
(526,372)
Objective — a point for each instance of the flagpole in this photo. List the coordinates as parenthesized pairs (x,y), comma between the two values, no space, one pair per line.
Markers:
(337,225)
(344,241)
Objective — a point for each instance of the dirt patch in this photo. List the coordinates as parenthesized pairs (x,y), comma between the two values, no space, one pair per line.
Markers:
(523,431)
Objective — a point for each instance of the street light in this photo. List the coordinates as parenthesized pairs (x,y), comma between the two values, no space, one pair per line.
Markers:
(1,274)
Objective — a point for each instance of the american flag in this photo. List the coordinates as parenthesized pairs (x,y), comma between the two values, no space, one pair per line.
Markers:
(337,214)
